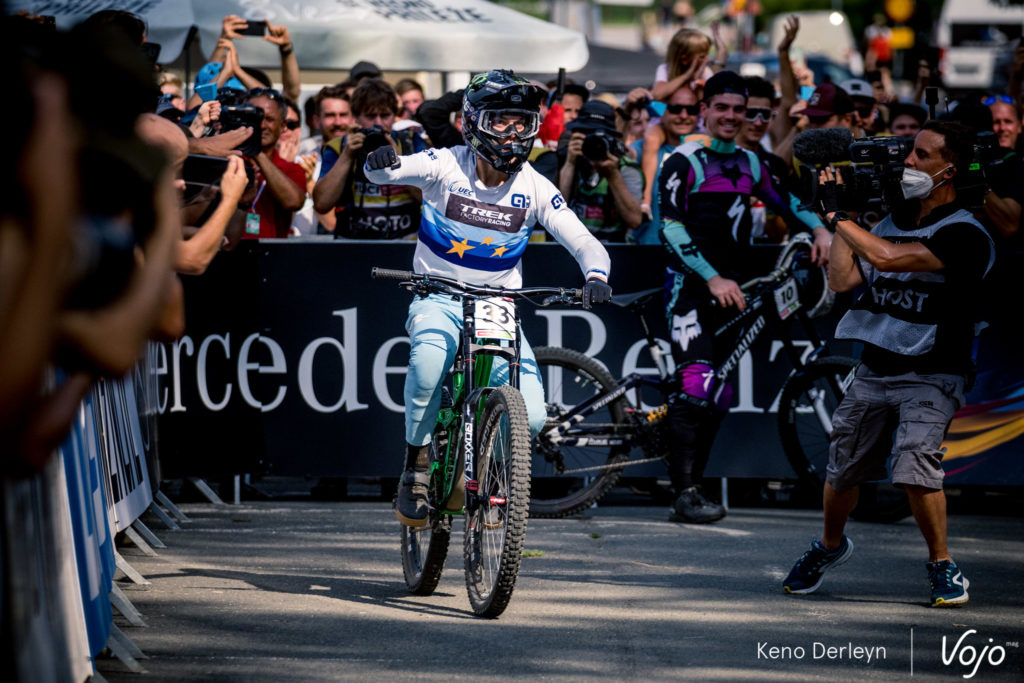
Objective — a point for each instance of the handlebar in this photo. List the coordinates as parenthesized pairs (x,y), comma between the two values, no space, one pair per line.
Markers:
(443,285)
(799,242)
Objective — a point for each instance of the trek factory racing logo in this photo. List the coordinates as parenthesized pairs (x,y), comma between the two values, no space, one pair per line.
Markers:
(482,215)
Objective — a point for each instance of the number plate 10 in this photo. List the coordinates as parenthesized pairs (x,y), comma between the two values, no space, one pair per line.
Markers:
(787,299)
(495,319)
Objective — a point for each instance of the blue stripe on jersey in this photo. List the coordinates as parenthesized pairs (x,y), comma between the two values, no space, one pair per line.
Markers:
(476,248)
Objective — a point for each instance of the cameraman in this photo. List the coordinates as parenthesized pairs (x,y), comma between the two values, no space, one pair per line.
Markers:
(922,267)
(365,210)
(600,182)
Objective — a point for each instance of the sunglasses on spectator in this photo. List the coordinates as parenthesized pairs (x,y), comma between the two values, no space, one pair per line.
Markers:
(292,124)
(992,99)
(676,109)
(753,113)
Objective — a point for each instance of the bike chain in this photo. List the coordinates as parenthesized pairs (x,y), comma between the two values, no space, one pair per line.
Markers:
(614,466)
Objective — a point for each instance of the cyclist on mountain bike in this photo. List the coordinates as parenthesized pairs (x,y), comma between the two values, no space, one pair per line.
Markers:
(706,220)
(480,202)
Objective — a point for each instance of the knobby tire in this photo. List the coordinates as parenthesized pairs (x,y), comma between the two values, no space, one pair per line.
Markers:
(496,526)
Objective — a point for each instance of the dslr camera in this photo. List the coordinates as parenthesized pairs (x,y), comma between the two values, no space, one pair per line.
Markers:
(598,144)
(234,116)
(375,139)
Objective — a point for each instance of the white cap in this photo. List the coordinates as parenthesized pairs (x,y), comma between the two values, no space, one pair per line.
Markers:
(855,87)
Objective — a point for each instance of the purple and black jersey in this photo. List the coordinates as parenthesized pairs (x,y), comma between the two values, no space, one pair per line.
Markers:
(707,191)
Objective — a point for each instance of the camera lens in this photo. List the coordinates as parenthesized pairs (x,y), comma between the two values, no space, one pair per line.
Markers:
(595,147)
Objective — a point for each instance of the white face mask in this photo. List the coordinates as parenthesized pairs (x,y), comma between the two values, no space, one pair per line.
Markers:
(918,184)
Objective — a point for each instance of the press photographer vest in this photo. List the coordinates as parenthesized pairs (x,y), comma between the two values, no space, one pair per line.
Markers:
(915,314)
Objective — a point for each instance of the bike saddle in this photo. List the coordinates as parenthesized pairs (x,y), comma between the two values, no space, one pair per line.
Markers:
(635,298)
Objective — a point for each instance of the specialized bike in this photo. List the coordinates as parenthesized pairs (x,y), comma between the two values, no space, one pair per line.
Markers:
(480,447)
(597,426)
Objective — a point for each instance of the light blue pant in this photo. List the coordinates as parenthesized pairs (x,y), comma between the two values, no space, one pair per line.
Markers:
(435,331)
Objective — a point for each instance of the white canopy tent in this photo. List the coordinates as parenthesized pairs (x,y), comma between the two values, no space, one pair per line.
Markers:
(397,35)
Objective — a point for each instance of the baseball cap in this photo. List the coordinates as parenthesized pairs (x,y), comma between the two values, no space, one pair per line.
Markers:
(826,100)
(594,115)
(858,89)
(364,70)
(209,73)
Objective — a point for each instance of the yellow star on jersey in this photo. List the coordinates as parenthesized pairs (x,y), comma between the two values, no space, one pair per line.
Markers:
(459,248)
(487,240)
(500,251)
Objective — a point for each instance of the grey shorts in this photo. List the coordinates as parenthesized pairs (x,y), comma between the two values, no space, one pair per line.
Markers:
(905,416)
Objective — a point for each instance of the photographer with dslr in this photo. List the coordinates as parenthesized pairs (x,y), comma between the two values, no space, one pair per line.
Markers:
(364,209)
(922,267)
(601,184)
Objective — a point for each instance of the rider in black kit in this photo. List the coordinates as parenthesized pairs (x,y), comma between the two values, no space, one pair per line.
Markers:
(705,208)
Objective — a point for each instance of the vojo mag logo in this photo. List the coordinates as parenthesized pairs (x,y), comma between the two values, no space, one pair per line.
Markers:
(969,652)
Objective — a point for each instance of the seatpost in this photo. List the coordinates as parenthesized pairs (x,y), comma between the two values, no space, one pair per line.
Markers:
(652,343)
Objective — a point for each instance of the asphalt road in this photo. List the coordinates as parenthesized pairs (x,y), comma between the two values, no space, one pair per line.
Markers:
(307,591)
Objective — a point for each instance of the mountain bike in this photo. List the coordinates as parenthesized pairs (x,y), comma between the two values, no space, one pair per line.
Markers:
(597,425)
(480,447)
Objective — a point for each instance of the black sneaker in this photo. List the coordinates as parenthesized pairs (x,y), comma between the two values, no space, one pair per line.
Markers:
(808,572)
(411,501)
(949,585)
(690,506)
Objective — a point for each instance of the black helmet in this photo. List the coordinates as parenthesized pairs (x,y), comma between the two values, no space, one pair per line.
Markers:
(498,104)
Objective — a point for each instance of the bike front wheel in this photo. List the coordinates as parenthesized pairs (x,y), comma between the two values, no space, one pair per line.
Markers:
(573,473)
(809,399)
(496,515)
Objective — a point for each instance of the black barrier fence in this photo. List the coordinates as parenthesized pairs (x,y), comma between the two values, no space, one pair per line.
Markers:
(294,360)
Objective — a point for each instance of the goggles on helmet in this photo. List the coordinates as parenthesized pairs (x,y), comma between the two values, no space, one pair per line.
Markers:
(503,123)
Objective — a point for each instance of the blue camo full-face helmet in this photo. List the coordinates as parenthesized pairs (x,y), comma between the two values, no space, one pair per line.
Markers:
(501,117)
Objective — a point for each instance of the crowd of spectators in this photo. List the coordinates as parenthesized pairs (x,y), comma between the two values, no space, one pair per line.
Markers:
(234,162)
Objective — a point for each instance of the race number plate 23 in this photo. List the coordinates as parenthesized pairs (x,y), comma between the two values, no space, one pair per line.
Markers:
(787,299)
(495,319)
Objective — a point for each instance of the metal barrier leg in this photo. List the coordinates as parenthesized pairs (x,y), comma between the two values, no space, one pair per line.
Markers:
(129,571)
(164,518)
(122,653)
(205,489)
(122,604)
(162,498)
(145,532)
(139,541)
(127,643)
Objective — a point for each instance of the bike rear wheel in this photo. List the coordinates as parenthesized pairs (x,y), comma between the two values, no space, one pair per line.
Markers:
(559,487)
(496,518)
(424,550)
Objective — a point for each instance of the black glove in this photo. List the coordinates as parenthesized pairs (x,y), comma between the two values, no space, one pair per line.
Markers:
(828,197)
(382,157)
(596,291)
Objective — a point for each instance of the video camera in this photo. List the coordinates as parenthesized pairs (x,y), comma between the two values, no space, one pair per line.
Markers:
(872,168)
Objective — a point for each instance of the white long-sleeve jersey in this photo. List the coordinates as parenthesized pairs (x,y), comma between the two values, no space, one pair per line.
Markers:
(477,234)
